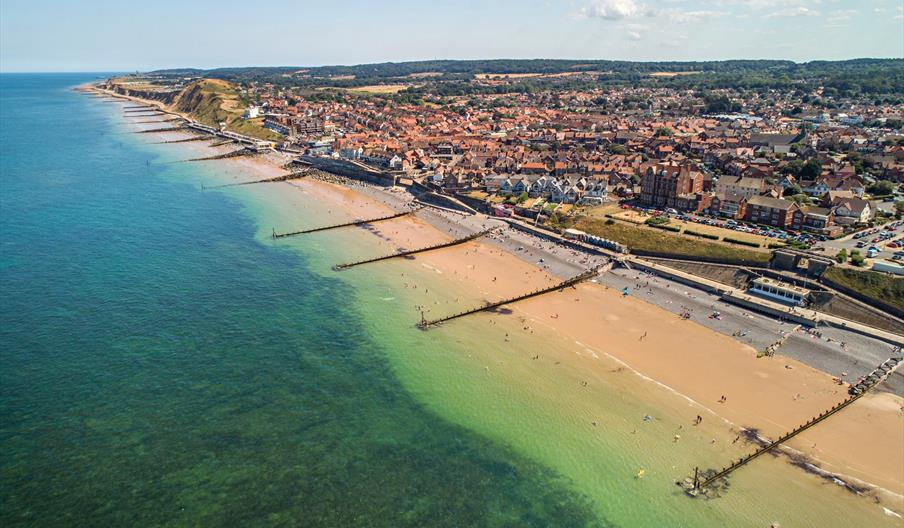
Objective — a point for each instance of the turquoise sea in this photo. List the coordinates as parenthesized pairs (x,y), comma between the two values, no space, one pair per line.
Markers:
(160,366)
(164,362)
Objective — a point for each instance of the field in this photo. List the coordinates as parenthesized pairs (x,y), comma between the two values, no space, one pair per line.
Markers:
(874,285)
(422,75)
(380,88)
(640,218)
(674,74)
(487,76)
(653,240)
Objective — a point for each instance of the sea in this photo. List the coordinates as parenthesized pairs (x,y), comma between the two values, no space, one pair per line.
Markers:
(165,362)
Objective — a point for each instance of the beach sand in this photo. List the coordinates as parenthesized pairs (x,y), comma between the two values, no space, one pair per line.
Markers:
(770,395)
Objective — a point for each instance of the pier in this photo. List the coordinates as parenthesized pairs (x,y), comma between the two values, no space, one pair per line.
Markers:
(879,374)
(589,274)
(400,254)
(346,224)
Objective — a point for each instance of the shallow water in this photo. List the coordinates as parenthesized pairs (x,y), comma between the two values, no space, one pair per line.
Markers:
(160,366)
(164,362)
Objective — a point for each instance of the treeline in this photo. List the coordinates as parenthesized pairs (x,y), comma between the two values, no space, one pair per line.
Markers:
(846,78)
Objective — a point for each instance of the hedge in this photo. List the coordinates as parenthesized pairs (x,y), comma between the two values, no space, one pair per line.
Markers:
(666,227)
(703,235)
(741,242)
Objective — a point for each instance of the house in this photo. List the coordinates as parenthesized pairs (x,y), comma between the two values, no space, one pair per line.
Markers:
(742,186)
(728,205)
(817,219)
(770,211)
(596,192)
(777,143)
(852,211)
(538,187)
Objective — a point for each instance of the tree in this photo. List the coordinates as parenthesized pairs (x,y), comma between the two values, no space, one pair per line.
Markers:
(793,167)
(881,188)
(801,198)
(811,170)
(842,256)
(856,258)
(664,131)
(617,149)
(523,197)
(899,207)
(792,190)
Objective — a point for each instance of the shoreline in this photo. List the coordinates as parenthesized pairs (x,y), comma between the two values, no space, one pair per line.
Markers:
(556,264)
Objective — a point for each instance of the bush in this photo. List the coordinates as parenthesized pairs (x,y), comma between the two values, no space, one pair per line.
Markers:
(673,229)
(841,256)
(656,221)
(741,242)
(773,245)
(702,235)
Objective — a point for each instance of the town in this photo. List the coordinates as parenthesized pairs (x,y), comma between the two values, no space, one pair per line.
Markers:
(795,167)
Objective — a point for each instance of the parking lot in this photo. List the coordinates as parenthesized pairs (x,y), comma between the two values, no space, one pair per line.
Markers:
(887,240)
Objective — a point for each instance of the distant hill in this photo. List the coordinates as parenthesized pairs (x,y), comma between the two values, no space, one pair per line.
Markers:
(862,75)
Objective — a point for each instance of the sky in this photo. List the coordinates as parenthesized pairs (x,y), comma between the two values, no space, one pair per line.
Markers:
(108,35)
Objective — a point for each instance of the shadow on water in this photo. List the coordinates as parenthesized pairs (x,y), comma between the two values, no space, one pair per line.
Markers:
(160,367)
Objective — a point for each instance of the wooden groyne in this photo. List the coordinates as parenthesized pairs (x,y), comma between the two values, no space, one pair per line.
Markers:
(146,114)
(221,143)
(587,275)
(158,121)
(285,177)
(346,224)
(167,129)
(234,154)
(695,485)
(770,350)
(400,254)
(195,138)
(138,107)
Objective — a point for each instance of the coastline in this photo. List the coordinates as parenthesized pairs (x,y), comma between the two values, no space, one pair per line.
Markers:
(606,326)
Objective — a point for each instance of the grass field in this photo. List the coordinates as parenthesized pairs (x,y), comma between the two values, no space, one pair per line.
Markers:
(654,240)
(639,218)
(380,88)
(674,74)
(874,285)
(486,76)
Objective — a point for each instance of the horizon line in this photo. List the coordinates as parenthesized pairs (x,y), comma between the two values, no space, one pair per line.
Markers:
(347,65)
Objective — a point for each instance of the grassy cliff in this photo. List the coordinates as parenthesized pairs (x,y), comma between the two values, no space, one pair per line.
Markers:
(878,286)
(214,101)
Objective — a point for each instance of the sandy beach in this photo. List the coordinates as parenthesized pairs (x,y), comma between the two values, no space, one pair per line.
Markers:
(770,395)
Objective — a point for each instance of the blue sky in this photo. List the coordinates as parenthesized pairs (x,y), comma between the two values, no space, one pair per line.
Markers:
(105,35)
